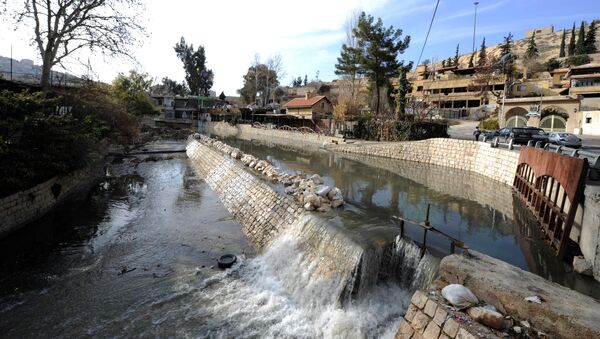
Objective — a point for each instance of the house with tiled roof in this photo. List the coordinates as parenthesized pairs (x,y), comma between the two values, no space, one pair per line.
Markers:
(309,107)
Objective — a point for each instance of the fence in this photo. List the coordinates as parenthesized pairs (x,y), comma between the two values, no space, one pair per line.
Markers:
(35,78)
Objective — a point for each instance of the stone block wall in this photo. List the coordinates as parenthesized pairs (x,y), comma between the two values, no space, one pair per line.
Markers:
(23,207)
(261,211)
(428,317)
(479,157)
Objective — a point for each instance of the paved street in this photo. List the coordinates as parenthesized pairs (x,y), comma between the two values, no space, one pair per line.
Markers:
(464,130)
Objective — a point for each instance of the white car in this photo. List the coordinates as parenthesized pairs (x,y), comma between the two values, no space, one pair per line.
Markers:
(564,139)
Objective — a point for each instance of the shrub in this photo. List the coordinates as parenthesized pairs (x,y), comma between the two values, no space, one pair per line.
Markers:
(489,124)
(577,60)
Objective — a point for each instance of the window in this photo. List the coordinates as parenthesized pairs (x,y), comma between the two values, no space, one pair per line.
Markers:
(588,120)
(322,105)
(419,89)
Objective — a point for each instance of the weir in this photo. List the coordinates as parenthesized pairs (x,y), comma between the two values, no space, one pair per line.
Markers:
(317,262)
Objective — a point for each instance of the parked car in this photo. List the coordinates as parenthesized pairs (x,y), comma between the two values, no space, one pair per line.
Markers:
(519,135)
(564,139)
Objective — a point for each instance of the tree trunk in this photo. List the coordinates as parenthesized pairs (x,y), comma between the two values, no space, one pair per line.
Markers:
(377,105)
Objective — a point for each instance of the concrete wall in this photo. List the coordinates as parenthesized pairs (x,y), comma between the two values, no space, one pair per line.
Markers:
(479,157)
(26,206)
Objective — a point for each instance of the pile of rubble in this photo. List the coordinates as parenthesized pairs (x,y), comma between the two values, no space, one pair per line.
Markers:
(308,191)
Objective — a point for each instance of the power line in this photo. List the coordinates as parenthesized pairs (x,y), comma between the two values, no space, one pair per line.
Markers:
(429,30)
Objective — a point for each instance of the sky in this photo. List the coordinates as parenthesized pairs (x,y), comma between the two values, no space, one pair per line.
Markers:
(307,34)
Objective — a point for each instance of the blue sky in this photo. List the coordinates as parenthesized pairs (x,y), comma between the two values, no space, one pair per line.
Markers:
(307,34)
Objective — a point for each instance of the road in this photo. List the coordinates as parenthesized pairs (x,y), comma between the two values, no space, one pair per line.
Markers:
(464,130)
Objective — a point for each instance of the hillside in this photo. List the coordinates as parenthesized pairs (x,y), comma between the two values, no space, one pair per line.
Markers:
(547,40)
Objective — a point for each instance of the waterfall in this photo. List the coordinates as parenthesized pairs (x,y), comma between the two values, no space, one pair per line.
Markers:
(313,280)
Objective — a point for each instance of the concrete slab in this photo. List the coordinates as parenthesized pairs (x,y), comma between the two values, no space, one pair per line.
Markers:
(564,313)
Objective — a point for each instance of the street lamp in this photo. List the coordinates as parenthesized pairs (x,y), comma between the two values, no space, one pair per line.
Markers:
(504,97)
(475,23)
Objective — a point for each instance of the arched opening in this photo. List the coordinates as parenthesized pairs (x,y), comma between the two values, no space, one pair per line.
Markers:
(515,117)
(516,121)
(553,123)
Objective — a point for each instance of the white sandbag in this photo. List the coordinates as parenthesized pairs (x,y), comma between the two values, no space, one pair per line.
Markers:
(459,296)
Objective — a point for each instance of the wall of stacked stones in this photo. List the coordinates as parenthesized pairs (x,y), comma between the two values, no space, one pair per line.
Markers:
(261,211)
(478,157)
(26,206)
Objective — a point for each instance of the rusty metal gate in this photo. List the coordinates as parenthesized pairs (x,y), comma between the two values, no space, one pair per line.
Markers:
(551,185)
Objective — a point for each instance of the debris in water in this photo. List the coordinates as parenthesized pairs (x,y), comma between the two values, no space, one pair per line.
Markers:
(125,270)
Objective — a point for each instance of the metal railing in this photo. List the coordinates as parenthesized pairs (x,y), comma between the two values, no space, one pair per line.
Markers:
(427,227)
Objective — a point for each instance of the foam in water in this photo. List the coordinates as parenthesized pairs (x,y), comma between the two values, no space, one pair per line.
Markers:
(301,286)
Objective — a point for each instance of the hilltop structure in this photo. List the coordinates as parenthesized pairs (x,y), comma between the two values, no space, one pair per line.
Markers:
(547,91)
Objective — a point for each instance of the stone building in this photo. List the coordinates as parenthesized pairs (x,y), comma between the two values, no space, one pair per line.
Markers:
(309,107)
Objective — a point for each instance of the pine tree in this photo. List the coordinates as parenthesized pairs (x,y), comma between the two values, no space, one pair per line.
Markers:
(403,88)
(562,44)
(532,50)
(580,45)
(482,55)
(506,47)
(571,49)
(590,39)
(471,61)
(450,62)
(456,56)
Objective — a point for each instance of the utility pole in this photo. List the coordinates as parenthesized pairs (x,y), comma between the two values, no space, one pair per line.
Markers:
(475,23)
(11,62)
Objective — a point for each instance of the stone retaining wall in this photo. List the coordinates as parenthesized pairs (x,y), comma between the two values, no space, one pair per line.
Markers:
(18,209)
(260,210)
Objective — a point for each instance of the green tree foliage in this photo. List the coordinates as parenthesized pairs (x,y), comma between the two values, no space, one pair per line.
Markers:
(551,64)
(443,63)
(482,54)
(297,82)
(305,79)
(198,77)
(577,60)
(132,93)
(507,58)
(580,46)
(54,133)
(532,50)
(571,48)
(403,89)
(378,52)
(471,65)
(348,63)
(590,39)
(562,53)
(456,55)
(170,87)
(222,96)
(255,83)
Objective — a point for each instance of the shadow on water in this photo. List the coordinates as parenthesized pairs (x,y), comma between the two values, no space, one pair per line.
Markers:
(481,212)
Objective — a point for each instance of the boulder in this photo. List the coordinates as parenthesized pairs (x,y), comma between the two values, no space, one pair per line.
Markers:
(317,179)
(336,203)
(583,266)
(322,190)
(487,317)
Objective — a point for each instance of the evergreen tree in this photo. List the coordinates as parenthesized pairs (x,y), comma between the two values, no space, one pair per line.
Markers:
(456,55)
(580,46)
(571,49)
(450,62)
(482,55)
(222,96)
(506,46)
(532,50)
(443,63)
(198,77)
(590,39)
(471,60)
(305,79)
(403,89)
(348,62)
(379,48)
(562,44)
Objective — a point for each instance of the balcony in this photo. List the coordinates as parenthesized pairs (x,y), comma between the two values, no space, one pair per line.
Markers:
(585,90)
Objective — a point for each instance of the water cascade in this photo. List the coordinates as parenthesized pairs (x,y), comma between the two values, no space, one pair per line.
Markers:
(313,281)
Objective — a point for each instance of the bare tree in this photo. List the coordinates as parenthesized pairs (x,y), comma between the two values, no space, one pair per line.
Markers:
(274,64)
(64,27)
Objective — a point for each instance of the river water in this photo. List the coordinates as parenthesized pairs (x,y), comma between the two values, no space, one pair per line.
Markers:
(138,257)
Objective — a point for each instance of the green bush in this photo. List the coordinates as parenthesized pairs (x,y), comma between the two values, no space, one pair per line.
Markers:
(577,60)
(489,124)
